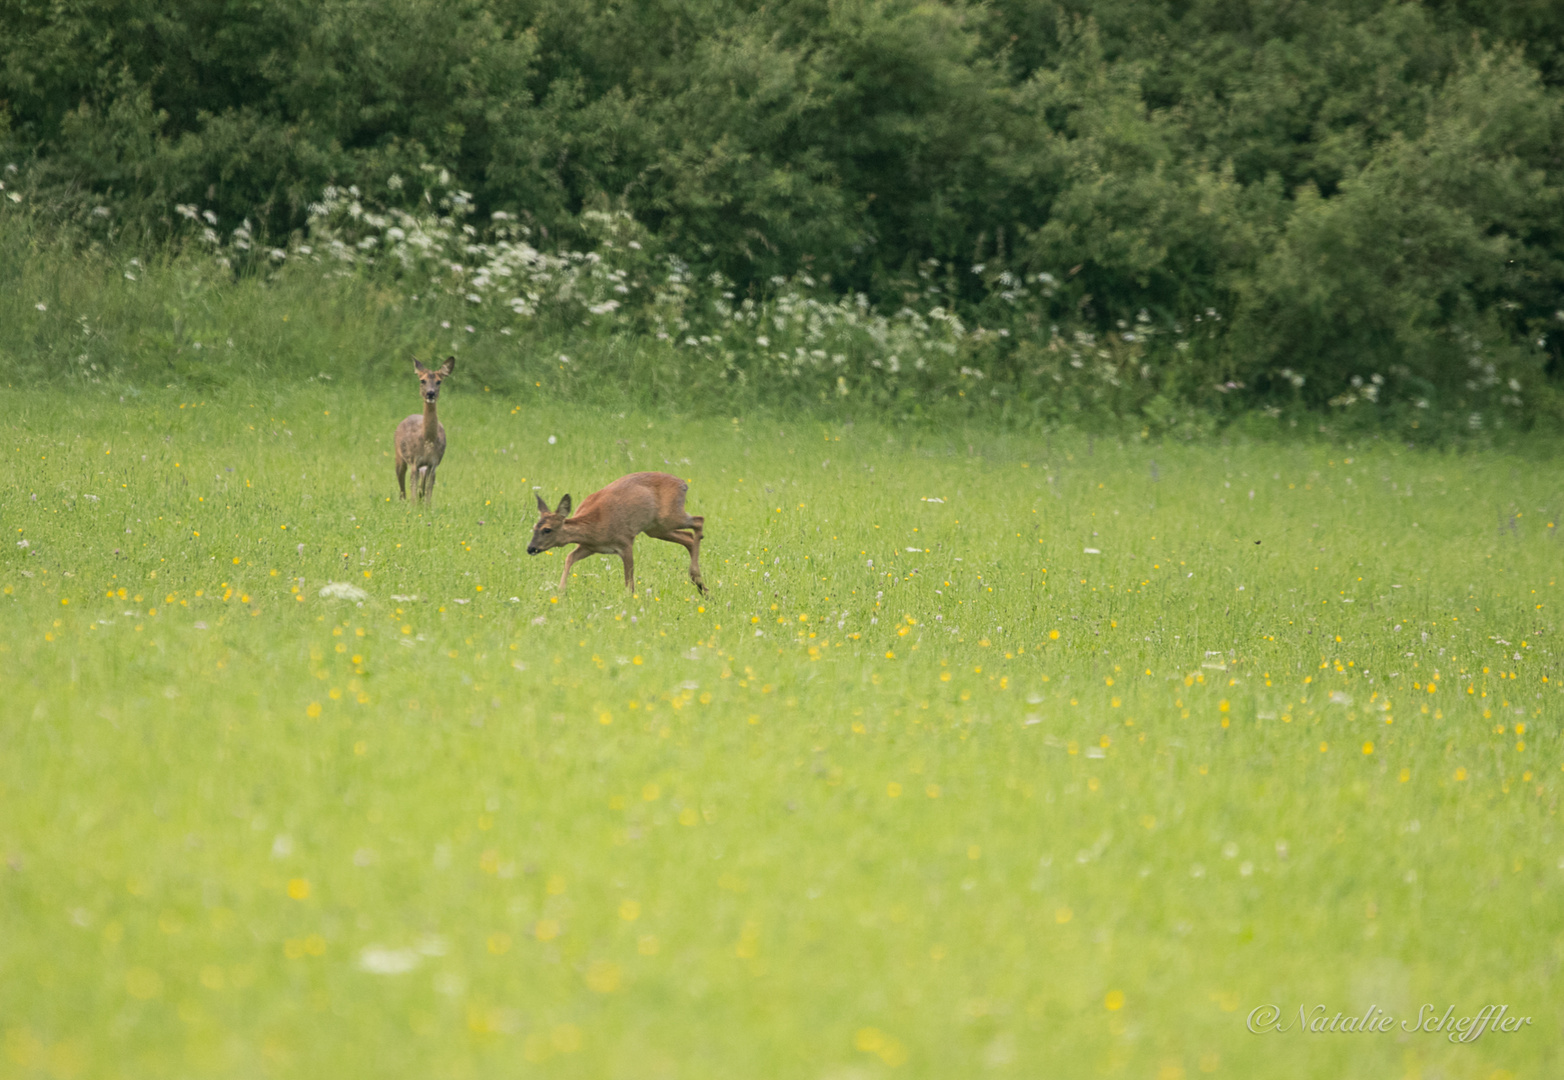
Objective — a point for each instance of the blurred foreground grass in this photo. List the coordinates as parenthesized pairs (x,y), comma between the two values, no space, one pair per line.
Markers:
(1041,757)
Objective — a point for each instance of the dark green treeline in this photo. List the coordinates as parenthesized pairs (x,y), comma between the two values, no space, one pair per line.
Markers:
(1349,184)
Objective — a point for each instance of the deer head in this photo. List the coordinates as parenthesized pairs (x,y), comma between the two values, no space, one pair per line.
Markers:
(430,378)
(546,533)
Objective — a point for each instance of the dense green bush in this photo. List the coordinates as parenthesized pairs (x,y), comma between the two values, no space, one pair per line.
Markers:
(621,321)
(1300,196)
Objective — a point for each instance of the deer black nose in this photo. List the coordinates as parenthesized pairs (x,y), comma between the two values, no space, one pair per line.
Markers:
(531,550)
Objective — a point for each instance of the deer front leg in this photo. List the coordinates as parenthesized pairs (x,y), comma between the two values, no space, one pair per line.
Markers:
(429,488)
(570,560)
(627,556)
(401,476)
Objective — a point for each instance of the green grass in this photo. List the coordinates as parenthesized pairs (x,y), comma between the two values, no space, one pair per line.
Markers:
(995,805)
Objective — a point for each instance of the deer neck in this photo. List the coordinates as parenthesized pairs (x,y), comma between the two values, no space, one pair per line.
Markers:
(431,423)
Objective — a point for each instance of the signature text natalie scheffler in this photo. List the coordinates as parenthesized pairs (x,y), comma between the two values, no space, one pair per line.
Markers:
(1264,1019)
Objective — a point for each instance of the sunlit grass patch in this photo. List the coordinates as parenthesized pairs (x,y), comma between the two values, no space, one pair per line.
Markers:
(983,753)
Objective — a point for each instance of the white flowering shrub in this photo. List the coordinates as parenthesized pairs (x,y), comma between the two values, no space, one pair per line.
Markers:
(520,302)
(496,278)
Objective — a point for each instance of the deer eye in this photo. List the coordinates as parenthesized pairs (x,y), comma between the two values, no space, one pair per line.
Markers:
(548,530)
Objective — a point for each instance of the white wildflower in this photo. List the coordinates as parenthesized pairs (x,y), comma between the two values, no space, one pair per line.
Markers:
(378,960)
(341,590)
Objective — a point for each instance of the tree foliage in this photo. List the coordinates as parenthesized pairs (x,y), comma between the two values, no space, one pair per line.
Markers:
(1350,188)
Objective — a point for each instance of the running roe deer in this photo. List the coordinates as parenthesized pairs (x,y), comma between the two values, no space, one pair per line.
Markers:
(611,519)
(420,440)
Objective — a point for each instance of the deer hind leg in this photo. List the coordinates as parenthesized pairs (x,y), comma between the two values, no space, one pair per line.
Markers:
(570,560)
(692,544)
(698,527)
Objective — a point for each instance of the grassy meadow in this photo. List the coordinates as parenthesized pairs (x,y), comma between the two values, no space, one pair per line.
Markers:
(986,755)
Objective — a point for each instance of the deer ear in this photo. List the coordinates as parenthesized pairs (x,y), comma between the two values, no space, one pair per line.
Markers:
(564,506)
(449,365)
(418,366)
(542,506)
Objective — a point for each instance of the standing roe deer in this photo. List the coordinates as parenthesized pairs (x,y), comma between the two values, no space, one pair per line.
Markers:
(420,440)
(611,519)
